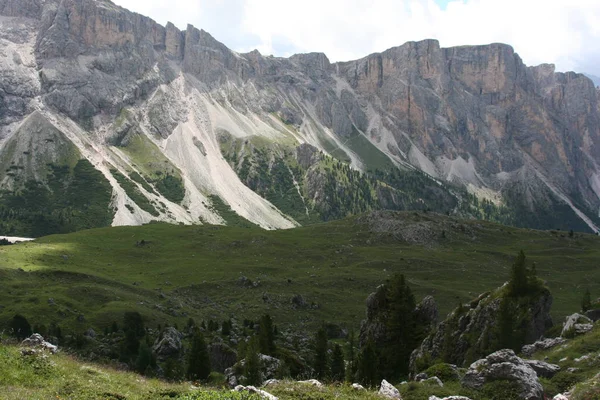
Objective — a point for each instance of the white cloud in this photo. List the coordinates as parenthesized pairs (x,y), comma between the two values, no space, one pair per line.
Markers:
(564,32)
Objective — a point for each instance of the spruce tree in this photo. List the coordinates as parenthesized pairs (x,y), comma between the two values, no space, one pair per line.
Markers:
(402,330)
(519,276)
(252,363)
(338,368)
(20,327)
(351,370)
(321,365)
(266,336)
(367,369)
(198,360)
(145,359)
(586,302)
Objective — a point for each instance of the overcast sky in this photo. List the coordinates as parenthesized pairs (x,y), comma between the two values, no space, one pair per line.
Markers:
(563,32)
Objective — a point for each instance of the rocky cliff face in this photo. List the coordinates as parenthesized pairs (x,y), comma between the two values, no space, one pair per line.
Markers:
(472,330)
(524,138)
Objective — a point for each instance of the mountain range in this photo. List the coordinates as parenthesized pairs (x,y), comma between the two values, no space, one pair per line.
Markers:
(108,118)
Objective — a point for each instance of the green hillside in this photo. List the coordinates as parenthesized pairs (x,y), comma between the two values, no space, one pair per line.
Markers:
(170,273)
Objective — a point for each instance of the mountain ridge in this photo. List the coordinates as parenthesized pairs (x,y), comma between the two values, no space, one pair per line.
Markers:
(120,86)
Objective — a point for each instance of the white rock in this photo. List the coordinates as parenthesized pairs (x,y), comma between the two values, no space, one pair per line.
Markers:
(577,322)
(37,341)
(252,389)
(356,386)
(389,391)
(434,380)
(450,398)
(312,382)
(560,397)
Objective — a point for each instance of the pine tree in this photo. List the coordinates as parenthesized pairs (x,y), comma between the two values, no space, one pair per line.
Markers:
(351,370)
(320,361)
(226,328)
(586,302)
(252,363)
(367,370)
(145,358)
(519,276)
(198,360)
(338,368)
(403,333)
(266,336)
(20,327)
(505,325)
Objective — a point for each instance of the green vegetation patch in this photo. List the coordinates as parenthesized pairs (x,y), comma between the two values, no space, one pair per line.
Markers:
(134,193)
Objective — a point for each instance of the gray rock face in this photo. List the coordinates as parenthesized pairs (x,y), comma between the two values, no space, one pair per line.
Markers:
(388,391)
(505,365)
(468,329)
(168,344)
(221,357)
(543,369)
(577,324)
(269,367)
(470,114)
(530,349)
(36,341)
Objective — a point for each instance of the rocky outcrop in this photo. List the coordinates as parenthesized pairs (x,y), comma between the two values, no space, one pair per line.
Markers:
(469,330)
(576,324)
(543,369)
(388,391)
(505,365)
(471,114)
(530,349)
(374,326)
(269,366)
(221,357)
(36,341)
(252,390)
(168,344)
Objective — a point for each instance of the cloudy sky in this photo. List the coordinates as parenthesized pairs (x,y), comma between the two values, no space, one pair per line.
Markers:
(563,32)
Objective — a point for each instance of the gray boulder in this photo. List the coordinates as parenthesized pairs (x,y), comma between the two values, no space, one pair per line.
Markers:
(168,344)
(388,390)
(543,369)
(36,341)
(253,390)
(505,365)
(530,349)
(221,356)
(450,398)
(269,366)
(576,324)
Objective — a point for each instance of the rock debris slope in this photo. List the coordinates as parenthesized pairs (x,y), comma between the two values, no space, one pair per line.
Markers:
(153,109)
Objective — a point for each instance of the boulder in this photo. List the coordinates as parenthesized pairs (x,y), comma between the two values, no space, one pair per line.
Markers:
(388,390)
(312,382)
(450,398)
(168,344)
(505,365)
(269,366)
(358,387)
(545,344)
(560,397)
(427,312)
(576,324)
(543,369)
(253,390)
(37,341)
(434,380)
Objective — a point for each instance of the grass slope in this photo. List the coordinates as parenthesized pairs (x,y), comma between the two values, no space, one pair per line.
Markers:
(193,271)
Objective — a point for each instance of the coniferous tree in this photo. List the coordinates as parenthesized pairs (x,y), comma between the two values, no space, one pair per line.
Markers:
(145,359)
(198,360)
(321,365)
(367,369)
(351,370)
(519,279)
(20,327)
(586,302)
(266,336)
(505,325)
(403,333)
(338,368)
(252,364)
(226,328)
